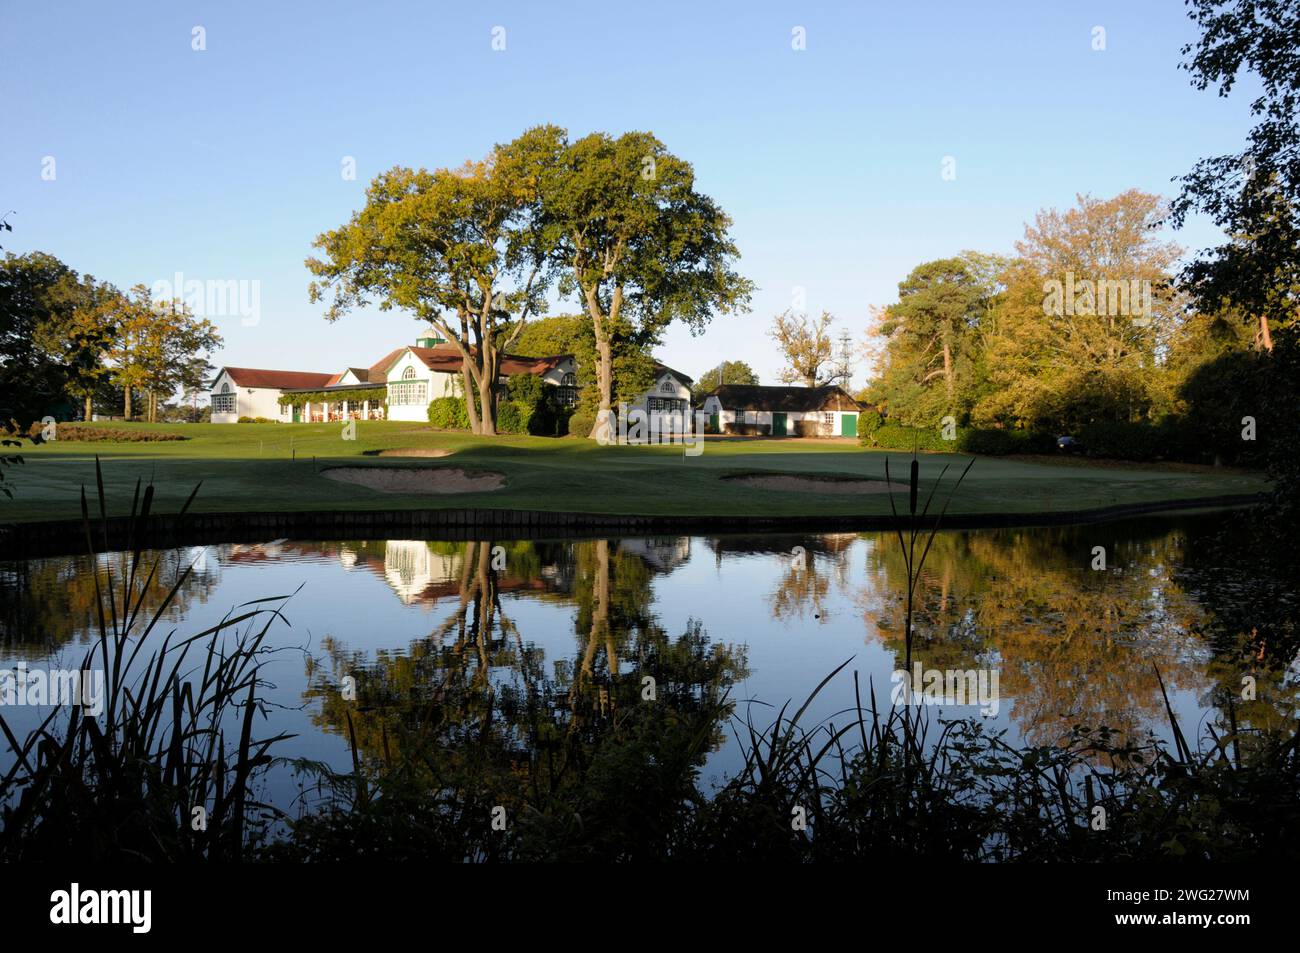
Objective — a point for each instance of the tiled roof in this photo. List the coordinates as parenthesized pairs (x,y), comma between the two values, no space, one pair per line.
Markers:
(379,370)
(784,399)
(665,369)
(446,358)
(261,377)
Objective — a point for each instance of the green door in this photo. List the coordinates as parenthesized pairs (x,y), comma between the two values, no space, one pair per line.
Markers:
(297,413)
(778,425)
(713,423)
(848,425)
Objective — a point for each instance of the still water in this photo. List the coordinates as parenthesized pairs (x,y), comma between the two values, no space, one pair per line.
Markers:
(529,623)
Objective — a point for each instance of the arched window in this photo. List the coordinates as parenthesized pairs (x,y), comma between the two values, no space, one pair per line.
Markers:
(408,374)
(666,387)
(223,402)
(568,390)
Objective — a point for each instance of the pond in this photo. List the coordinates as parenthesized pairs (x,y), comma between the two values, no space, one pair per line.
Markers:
(450,636)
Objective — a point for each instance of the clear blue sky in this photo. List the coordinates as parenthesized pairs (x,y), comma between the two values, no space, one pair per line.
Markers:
(225,164)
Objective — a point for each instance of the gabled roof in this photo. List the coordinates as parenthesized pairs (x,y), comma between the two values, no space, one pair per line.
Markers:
(665,369)
(379,370)
(261,377)
(784,399)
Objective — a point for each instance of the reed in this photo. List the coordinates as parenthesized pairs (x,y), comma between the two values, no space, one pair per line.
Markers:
(165,771)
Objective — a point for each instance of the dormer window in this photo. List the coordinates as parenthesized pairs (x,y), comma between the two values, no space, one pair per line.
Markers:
(408,374)
(666,387)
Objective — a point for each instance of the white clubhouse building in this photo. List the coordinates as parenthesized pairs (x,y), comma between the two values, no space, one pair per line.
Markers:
(400,386)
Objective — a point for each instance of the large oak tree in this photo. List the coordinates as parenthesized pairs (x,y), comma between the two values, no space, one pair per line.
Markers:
(462,249)
(639,245)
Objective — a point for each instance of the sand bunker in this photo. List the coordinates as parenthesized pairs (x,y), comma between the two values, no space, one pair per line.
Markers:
(410,452)
(442,480)
(799,484)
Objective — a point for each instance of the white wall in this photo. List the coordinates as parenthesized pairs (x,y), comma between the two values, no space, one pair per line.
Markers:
(676,390)
(764,417)
(249,402)
(417,411)
(555,375)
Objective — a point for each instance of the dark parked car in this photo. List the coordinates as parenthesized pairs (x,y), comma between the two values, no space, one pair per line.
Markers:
(1068,444)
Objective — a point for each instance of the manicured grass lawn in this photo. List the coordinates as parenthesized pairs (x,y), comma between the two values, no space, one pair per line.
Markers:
(248,467)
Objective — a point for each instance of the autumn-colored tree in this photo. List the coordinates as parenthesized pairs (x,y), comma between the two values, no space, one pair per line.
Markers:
(155,348)
(1088,308)
(128,352)
(806,346)
(173,351)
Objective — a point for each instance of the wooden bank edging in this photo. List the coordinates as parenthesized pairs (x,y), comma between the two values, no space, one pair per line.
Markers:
(65,537)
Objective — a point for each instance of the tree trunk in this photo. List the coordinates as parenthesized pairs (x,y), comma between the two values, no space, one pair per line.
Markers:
(487,399)
(947,370)
(602,331)
(1265,335)
(126,402)
(468,389)
(89,409)
(605,376)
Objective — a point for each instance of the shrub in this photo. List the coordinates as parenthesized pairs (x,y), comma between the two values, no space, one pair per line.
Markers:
(748,430)
(448,413)
(581,422)
(513,416)
(1168,440)
(107,434)
(549,420)
(897,437)
(1000,443)
(256,420)
(869,421)
(987,442)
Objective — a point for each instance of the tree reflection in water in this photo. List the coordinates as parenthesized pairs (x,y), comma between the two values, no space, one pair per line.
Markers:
(471,712)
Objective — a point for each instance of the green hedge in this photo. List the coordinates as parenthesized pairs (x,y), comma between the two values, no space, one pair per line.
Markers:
(448,413)
(898,437)
(987,442)
(580,423)
(1000,443)
(513,417)
(70,432)
(1141,442)
(1169,440)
